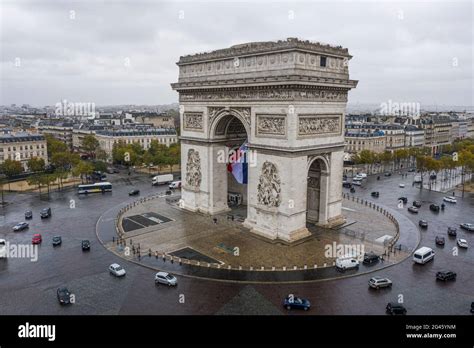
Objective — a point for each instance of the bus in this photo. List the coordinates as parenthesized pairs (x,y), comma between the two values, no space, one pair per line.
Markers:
(97,187)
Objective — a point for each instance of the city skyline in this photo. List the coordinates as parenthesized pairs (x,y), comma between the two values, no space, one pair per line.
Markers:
(112,54)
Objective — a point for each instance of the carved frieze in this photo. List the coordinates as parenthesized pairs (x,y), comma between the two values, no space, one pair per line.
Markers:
(271,125)
(269,186)
(193,169)
(193,121)
(319,124)
(265,94)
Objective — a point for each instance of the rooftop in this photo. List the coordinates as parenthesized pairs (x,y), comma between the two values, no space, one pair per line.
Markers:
(252,48)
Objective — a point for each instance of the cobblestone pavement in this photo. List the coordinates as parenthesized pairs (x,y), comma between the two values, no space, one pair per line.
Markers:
(231,244)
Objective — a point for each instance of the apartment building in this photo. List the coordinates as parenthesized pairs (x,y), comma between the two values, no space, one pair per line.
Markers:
(144,137)
(23,146)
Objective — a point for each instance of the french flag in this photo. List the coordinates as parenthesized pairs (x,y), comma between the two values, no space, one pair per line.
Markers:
(238,165)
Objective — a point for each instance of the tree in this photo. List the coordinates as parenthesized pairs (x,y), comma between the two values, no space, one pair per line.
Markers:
(63,162)
(36,164)
(82,169)
(54,145)
(91,145)
(11,168)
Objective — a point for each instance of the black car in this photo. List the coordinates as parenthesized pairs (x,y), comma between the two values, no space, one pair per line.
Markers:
(28,214)
(370,258)
(45,213)
(375,194)
(388,174)
(423,223)
(417,204)
(64,296)
(346,184)
(395,308)
(134,192)
(452,232)
(403,199)
(434,207)
(86,245)
(57,240)
(445,275)
(439,240)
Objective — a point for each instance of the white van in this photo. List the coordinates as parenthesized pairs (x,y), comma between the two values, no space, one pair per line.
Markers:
(162,179)
(346,263)
(175,185)
(423,255)
(3,248)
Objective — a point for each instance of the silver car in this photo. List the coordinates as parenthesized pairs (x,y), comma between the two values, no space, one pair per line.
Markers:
(166,278)
(379,282)
(116,270)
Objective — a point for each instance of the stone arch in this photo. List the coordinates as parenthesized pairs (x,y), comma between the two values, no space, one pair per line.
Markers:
(228,114)
(317,189)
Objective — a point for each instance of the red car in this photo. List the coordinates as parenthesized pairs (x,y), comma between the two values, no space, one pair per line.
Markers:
(36,239)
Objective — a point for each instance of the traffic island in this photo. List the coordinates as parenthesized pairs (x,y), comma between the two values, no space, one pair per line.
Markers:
(156,233)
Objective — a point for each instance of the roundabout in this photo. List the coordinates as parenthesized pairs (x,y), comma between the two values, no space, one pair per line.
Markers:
(155,233)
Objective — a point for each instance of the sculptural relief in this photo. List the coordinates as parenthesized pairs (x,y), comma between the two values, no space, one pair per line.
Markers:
(320,124)
(269,186)
(193,121)
(193,169)
(270,124)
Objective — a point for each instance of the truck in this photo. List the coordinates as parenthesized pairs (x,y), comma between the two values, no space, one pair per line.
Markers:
(162,179)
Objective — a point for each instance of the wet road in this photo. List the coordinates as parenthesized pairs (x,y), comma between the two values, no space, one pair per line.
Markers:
(29,287)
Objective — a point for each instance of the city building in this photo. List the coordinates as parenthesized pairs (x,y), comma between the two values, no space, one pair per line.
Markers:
(80,131)
(414,136)
(23,146)
(144,137)
(59,130)
(355,142)
(437,132)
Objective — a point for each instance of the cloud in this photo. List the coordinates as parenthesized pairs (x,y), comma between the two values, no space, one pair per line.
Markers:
(123,51)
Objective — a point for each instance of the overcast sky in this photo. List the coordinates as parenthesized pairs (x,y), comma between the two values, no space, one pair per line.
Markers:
(403,51)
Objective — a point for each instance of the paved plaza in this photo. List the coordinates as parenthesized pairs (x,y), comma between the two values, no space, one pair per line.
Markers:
(227,242)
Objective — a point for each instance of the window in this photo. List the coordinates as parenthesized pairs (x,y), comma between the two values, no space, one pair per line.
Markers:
(323,60)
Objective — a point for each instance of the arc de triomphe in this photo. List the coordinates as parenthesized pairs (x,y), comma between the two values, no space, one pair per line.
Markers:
(288,100)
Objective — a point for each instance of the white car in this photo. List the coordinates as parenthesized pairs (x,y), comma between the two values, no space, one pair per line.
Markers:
(362,175)
(462,243)
(175,185)
(166,278)
(346,263)
(20,226)
(3,248)
(116,270)
(401,185)
(379,282)
(356,182)
(449,199)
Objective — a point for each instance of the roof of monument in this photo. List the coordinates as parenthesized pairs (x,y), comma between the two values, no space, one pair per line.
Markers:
(266,46)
